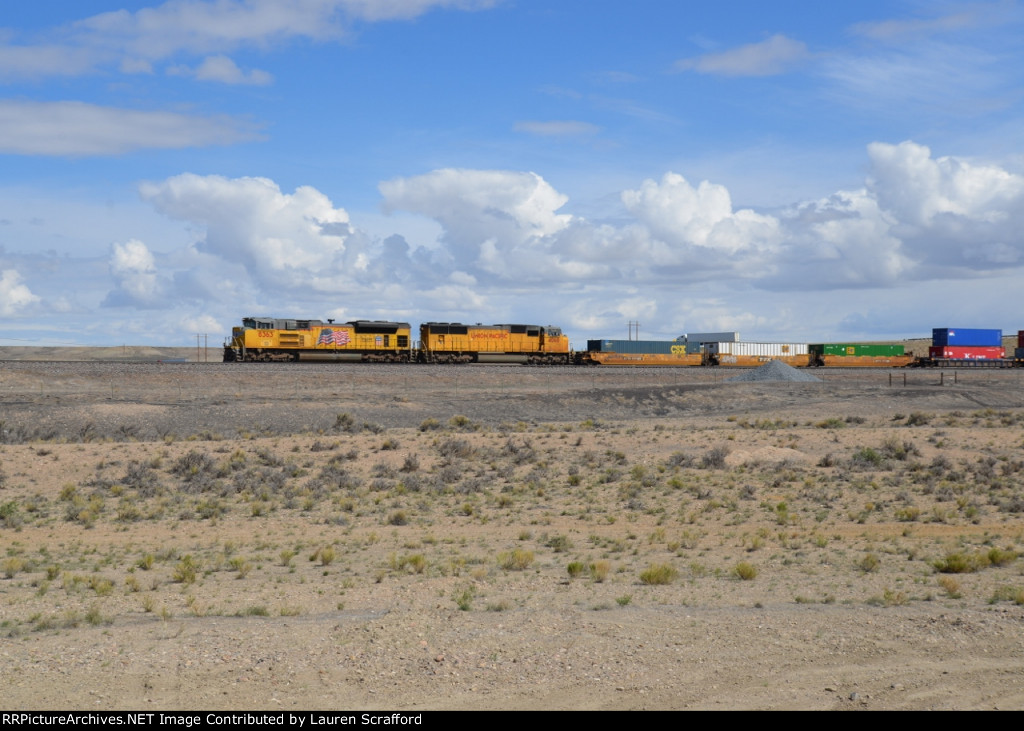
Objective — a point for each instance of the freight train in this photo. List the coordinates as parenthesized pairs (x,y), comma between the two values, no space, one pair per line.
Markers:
(374,341)
(263,339)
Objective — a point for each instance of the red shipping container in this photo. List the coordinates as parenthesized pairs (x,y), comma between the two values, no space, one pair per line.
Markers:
(964,352)
(1020,338)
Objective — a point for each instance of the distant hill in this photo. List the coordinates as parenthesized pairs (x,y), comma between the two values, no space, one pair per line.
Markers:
(134,353)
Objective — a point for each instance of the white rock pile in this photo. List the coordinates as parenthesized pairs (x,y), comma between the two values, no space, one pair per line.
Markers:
(776,370)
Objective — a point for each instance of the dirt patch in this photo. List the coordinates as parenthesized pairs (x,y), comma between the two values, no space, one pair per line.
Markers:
(765,456)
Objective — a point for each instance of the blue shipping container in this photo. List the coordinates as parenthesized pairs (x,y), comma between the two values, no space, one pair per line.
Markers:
(966,337)
(640,347)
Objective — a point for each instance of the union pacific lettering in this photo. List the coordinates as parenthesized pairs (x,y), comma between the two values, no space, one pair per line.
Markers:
(489,336)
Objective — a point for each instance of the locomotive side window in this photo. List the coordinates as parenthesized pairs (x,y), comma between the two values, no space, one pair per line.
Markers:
(447,328)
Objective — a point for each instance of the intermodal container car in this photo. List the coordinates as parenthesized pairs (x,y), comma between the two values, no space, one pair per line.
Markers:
(640,352)
(853,355)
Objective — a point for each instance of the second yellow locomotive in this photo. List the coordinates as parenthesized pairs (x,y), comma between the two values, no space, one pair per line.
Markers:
(454,342)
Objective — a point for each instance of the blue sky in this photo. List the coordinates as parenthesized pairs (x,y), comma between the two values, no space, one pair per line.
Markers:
(796,171)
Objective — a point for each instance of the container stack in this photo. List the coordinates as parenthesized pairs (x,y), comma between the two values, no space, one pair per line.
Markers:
(1019,352)
(967,344)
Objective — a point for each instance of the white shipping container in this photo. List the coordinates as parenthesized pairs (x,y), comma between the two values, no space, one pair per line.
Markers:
(760,349)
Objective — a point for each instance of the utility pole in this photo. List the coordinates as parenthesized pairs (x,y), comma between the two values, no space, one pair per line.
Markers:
(633,324)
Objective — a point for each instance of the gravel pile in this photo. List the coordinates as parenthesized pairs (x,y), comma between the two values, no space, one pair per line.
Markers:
(776,370)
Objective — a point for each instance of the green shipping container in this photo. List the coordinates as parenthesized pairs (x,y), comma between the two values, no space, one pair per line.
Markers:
(856,349)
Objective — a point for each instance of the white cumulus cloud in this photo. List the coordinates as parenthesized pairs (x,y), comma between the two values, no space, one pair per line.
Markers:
(14,296)
(950,214)
(917,187)
(132,257)
(681,215)
(278,237)
(916,217)
(843,240)
(679,255)
(200,324)
(134,271)
(500,221)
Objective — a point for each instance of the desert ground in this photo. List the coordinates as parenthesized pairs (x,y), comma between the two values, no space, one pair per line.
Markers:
(313,536)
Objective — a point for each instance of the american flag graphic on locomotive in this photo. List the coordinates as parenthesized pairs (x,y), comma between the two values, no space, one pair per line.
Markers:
(333,337)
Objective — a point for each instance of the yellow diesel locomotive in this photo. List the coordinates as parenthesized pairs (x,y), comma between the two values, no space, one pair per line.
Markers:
(454,342)
(274,339)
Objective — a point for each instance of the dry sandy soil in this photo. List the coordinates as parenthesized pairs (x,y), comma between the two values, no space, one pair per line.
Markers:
(193,536)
